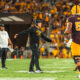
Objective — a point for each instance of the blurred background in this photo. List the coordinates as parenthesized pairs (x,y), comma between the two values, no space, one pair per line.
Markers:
(18,15)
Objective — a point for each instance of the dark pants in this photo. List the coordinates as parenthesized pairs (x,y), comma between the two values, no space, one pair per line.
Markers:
(3,52)
(35,59)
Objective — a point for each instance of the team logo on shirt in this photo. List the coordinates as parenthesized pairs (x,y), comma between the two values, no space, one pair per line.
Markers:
(38,32)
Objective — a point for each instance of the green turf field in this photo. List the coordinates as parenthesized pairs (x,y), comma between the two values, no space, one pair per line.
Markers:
(54,69)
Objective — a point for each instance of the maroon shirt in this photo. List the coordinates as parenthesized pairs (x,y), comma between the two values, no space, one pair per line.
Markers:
(75,32)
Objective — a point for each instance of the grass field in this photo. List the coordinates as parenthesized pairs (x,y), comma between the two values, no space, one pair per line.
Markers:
(54,69)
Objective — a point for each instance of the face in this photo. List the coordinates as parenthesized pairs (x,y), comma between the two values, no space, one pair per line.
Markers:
(40,25)
(2,28)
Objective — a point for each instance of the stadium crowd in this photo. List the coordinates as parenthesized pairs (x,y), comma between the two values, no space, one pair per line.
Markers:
(53,14)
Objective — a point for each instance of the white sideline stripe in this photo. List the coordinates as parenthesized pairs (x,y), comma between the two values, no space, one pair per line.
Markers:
(57,67)
(37,78)
(12,59)
(43,71)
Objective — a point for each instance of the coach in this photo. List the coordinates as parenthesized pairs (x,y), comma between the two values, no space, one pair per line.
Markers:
(35,34)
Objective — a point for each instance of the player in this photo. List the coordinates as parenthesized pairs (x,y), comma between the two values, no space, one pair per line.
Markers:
(73,27)
(35,34)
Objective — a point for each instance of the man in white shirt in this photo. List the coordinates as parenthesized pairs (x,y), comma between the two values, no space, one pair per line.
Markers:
(4,42)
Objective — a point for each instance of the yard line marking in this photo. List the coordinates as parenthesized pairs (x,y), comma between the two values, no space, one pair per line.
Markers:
(57,67)
(43,71)
(38,78)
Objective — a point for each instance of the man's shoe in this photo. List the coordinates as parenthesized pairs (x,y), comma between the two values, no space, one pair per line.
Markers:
(4,68)
(31,71)
(78,76)
(39,71)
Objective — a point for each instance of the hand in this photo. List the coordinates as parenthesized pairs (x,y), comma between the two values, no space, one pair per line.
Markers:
(15,36)
(11,45)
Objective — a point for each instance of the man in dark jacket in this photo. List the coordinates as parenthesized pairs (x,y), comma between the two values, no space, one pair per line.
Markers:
(35,34)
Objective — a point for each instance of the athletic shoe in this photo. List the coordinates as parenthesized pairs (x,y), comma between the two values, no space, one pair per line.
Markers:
(38,71)
(4,68)
(79,76)
(31,71)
